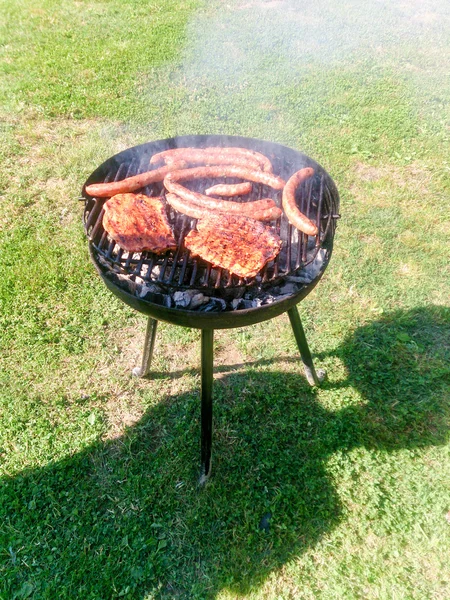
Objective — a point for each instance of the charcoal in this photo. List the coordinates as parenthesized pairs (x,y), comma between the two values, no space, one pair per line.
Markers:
(198,300)
(146,289)
(214,305)
(288,288)
(182,299)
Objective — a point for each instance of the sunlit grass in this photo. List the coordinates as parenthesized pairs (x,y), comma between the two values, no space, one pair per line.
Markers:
(337,492)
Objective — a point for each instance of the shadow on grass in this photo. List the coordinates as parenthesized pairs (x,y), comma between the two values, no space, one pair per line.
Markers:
(126,519)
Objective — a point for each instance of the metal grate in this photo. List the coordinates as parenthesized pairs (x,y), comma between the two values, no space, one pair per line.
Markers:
(178,269)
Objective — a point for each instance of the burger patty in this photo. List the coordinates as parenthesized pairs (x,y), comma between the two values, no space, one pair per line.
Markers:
(239,244)
(137,222)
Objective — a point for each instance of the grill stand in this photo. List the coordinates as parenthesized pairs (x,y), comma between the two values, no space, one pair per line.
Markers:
(206,413)
(207,352)
(149,344)
(314,377)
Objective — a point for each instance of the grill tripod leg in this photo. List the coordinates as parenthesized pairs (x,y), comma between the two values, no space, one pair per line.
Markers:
(313,377)
(149,344)
(206,410)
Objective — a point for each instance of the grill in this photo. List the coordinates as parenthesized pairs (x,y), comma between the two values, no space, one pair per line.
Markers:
(164,287)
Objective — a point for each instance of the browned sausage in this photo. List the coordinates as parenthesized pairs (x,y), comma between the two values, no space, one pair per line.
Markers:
(229,190)
(216,204)
(198,157)
(224,171)
(131,184)
(261,212)
(294,215)
(220,155)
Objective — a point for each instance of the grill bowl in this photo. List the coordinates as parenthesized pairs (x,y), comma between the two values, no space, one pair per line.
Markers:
(120,272)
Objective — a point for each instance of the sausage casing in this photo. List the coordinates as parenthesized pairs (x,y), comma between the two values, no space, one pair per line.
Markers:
(293,214)
(230,189)
(220,155)
(226,171)
(131,184)
(260,210)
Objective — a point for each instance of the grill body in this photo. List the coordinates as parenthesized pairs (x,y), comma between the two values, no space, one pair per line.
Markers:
(177,271)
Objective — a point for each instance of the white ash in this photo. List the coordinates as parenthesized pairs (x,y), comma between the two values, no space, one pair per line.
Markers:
(190,299)
(198,300)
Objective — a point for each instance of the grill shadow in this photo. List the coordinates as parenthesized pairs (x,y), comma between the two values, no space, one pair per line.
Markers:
(145,527)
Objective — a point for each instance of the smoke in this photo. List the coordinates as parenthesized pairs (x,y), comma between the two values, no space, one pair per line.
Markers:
(284,37)
(254,66)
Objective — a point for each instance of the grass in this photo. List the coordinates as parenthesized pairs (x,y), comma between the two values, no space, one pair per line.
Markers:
(337,492)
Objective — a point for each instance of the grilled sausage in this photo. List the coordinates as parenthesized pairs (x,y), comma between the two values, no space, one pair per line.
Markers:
(131,184)
(216,204)
(294,215)
(223,171)
(229,190)
(265,210)
(215,155)
(198,158)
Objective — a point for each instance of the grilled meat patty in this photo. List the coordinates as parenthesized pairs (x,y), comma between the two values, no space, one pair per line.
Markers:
(137,222)
(239,244)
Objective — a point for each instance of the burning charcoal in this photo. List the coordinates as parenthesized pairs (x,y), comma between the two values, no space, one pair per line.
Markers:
(191,299)
(241,304)
(167,300)
(221,302)
(153,294)
(122,281)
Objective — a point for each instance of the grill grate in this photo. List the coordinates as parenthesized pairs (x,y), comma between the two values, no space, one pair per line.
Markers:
(178,269)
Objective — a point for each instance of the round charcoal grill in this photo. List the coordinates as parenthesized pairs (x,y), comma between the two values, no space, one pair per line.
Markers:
(168,287)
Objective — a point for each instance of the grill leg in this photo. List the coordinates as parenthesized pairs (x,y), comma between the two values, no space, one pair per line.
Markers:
(206,411)
(313,377)
(149,344)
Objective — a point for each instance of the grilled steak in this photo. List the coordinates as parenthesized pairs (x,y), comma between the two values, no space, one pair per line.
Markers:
(137,222)
(239,244)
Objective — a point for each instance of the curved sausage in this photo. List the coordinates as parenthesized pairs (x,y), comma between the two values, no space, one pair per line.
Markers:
(131,184)
(262,212)
(229,190)
(217,153)
(294,215)
(197,158)
(224,171)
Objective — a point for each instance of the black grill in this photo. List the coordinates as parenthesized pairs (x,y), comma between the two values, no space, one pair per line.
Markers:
(127,274)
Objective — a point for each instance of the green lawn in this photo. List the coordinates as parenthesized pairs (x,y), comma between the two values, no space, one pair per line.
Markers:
(330,493)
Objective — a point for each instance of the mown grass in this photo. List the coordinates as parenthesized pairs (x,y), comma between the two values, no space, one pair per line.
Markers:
(337,492)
